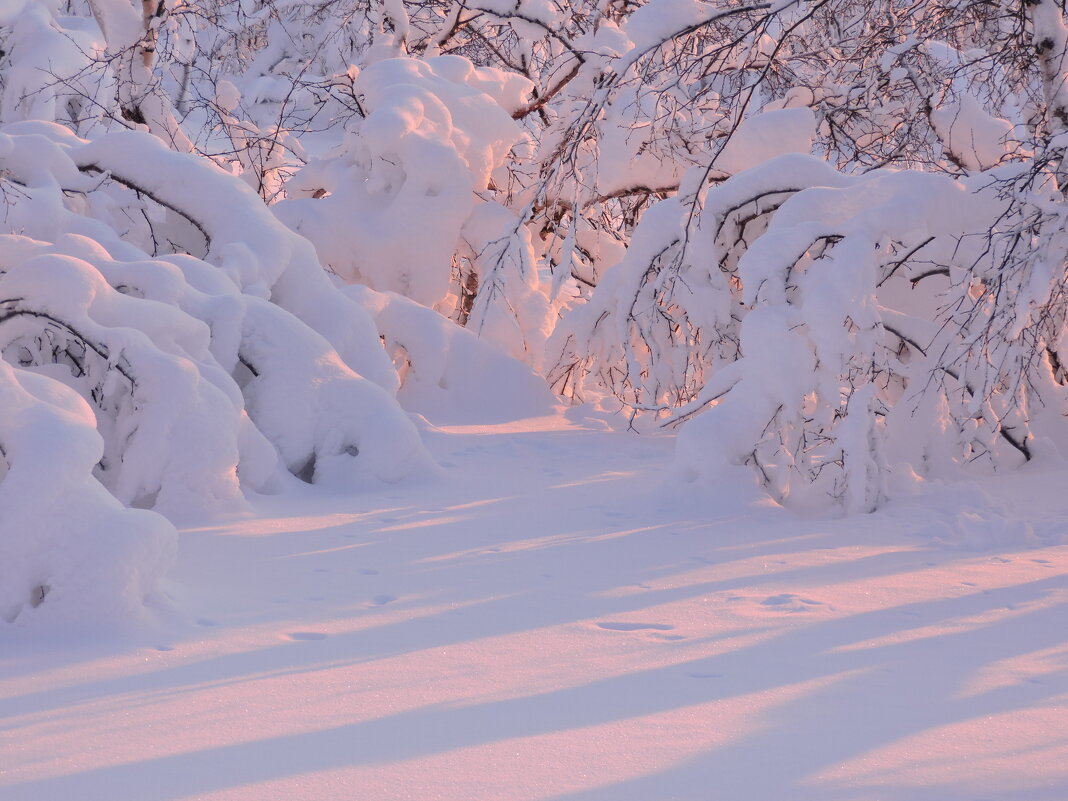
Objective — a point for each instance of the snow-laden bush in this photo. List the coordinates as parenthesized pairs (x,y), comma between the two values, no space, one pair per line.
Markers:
(210,317)
(136,361)
(397,205)
(824,327)
(69,550)
(208,374)
(448,373)
(826,364)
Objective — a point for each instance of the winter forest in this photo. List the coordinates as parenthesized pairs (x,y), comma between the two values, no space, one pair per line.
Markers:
(751,317)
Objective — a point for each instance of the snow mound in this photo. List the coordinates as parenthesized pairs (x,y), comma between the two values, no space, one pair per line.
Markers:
(170,349)
(396,206)
(449,375)
(69,551)
(400,190)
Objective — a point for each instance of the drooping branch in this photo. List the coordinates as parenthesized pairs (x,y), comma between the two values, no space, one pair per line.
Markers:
(93,169)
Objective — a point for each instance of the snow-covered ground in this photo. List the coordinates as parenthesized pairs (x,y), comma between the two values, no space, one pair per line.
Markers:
(550,621)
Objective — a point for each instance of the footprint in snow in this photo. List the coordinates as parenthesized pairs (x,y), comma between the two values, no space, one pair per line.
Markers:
(620,626)
(305,635)
(205,622)
(788,602)
(382,600)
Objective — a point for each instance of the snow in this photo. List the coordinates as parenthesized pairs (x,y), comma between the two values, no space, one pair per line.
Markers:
(761,138)
(659,20)
(153,390)
(449,373)
(976,139)
(550,620)
(71,556)
(434,133)
(290,508)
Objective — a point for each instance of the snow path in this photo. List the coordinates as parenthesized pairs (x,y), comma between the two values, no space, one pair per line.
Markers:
(547,624)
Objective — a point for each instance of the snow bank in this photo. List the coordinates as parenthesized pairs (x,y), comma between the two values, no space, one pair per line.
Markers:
(203,375)
(70,554)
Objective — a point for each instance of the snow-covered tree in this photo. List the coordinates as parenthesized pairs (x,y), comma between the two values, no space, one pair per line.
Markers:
(825,237)
(899,303)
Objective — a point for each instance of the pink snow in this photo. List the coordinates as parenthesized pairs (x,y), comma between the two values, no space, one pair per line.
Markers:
(558,624)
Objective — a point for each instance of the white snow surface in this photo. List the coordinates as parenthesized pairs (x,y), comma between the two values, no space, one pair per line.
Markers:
(548,620)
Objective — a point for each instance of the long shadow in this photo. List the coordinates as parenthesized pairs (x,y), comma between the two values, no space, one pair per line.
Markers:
(501,596)
(900,697)
(374,545)
(479,617)
(861,711)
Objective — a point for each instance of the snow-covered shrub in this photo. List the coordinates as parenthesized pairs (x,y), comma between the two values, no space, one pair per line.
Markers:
(826,364)
(213,350)
(136,360)
(206,313)
(448,373)
(70,553)
(825,326)
(397,206)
